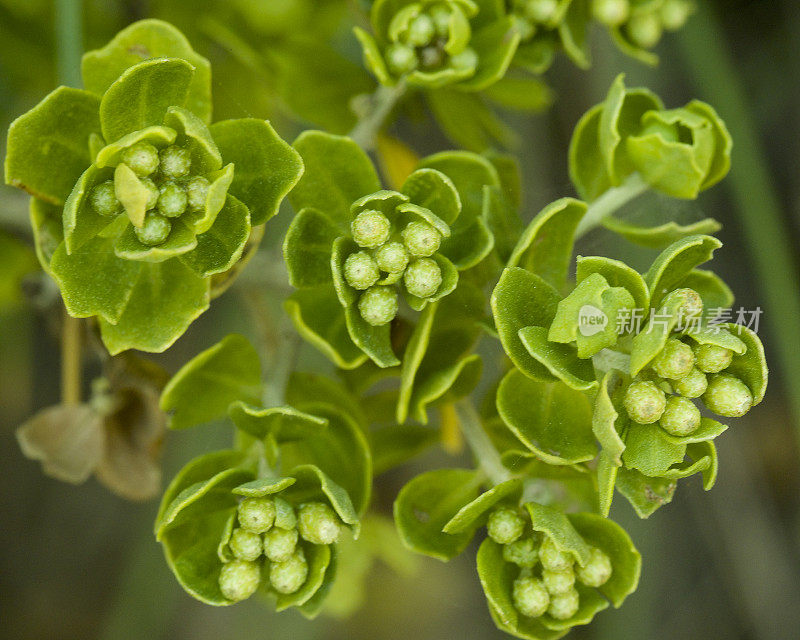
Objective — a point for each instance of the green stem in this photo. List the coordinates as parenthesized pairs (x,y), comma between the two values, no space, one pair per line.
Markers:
(611,201)
(380,105)
(71,346)
(482,448)
(69,41)
(707,58)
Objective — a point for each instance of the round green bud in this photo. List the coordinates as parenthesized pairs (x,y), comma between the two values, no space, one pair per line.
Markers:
(541,10)
(552,558)
(691,304)
(710,358)
(692,385)
(644,402)
(421,239)
(256,514)
(152,193)
(681,417)
(285,517)
(392,257)
(523,552)
(279,544)
(361,270)
(421,31)
(558,581)
(465,60)
(175,162)
(597,571)
(524,27)
(675,13)
(423,278)
(172,200)
(103,199)
(727,396)
(530,596)
(317,523)
(401,58)
(370,229)
(288,576)
(674,361)
(564,605)
(154,231)
(505,525)
(245,544)
(142,158)
(441,19)
(378,305)
(197,193)
(644,30)
(431,57)
(238,580)
(611,13)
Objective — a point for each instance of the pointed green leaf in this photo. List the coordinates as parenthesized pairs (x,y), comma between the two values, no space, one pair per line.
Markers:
(221,247)
(676,262)
(284,424)
(560,360)
(607,469)
(662,235)
(475,514)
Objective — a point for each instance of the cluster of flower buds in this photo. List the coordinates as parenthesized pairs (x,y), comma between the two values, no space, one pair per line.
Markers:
(547,576)
(642,23)
(269,543)
(386,258)
(163,176)
(533,16)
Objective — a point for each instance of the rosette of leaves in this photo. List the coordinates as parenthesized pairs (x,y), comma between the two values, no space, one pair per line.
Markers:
(678,152)
(138,202)
(265,516)
(354,247)
(543,571)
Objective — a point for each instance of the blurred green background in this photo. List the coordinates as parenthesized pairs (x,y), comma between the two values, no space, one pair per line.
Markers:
(78,562)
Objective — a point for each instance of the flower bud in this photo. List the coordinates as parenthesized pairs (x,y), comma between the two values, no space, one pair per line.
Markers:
(378,305)
(423,278)
(431,57)
(238,580)
(370,229)
(681,417)
(552,558)
(284,514)
(317,523)
(197,193)
(465,60)
(523,552)
(727,396)
(142,158)
(597,571)
(256,514)
(421,31)
(175,162)
(541,10)
(104,201)
(279,544)
(564,605)
(693,385)
(675,13)
(710,358)
(154,231)
(245,544)
(153,193)
(172,200)
(441,20)
(557,582)
(421,238)
(401,58)
(392,257)
(644,402)
(288,576)
(644,30)
(505,525)
(675,360)
(691,304)
(361,270)
(530,597)
(611,13)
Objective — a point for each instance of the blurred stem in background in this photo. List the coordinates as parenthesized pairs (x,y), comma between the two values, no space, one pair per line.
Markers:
(707,58)
(69,41)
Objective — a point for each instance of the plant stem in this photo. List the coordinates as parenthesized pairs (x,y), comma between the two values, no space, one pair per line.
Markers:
(611,201)
(71,346)
(69,41)
(380,105)
(482,448)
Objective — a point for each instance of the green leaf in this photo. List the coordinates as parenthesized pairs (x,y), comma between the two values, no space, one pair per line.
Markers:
(140,97)
(713,291)
(523,93)
(48,147)
(374,341)
(706,450)
(607,469)
(202,221)
(616,274)
(263,487)
(221,247)
(647,449)
(110,155)
(662,235)
(304,386)
(181,240)
(723,143)
(606,421)
(629,48)
(467,120)
(427,503)
(313,484)
(717,335)
(132,195)
(434,191)
(373,58)
(573,30)
(676,262)
(284,424)
(561,361)
(266,167)
(653,337)
(307,248)
(16,261)
(206,385)
(144,40)
(338,172)
(503,221)
(396,444)
(178,296)
(412,358)
(552,420)
(495,45)
(81,222)
(545,247)
(48,231)
(645,494)
(475,514)
(751,366)
(193,134)
(318,557)
(553,522)
(587,167)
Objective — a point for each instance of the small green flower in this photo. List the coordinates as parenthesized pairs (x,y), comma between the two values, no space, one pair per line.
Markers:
(279,544)
(421,239)
(423,278)
(681,417)
(172,200)
(552,558)
(530,596)
(675,13)
(692,385)
(197,193)
(317,523)
(523,552)
(727,396)
(245,544)
(392,257)
(711,358)
(401,58)
(256,514)
(142,157)
(505,525)
(370,229)
(104,200)
(597,571)
(239,579)
(175,162)
(540,10)
(644,402)
(361,270)
(611,13)
(378,305)
(154,231)
(675,361)
(558,582)
(645,29)
(564,605)
(288,576)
